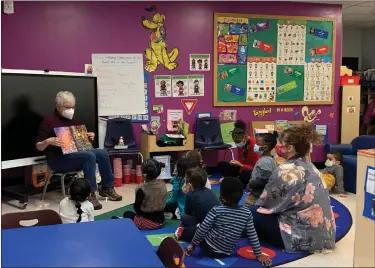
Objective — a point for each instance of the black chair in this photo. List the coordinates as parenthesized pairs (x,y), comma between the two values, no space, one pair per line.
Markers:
(121,127)
(208,136)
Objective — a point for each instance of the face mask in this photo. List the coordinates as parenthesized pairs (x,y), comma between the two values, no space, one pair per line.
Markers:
(328,163)
(68,113)
(257,149)
(279,152)
(241,144)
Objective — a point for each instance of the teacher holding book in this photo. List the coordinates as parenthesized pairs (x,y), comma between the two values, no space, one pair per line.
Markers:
(82,160)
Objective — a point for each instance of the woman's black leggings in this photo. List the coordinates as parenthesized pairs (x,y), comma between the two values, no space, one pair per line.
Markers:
(228,170)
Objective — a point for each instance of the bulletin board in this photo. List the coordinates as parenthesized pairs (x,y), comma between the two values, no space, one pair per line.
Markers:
(262,60)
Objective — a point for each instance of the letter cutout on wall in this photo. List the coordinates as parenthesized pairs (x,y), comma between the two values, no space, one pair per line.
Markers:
(157,53)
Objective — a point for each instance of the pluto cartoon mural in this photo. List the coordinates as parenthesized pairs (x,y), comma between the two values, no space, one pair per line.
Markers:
(157,52)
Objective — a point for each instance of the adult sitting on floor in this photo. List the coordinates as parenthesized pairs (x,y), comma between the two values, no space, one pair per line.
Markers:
(84,160)
(294,210)
(241,169)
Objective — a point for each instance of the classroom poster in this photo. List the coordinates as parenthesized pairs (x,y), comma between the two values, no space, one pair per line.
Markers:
(226,132)
(180,84)
(289,83)
(159,109)
(369,202)
(196,85)
(228,115)
(165,171)
(163,87)
(199,62)
(173,118)
(155,124)
(291,42)
(261,79)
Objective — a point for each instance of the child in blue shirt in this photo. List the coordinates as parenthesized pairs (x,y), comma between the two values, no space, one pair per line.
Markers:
(199,201)
(177,198)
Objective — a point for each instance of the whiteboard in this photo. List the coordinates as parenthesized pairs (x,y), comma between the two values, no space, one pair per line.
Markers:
(120,81)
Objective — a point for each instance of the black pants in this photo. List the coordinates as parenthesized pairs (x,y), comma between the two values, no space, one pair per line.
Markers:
(207,251)
(190,227)
(267,228)
(171,208)
(228,170)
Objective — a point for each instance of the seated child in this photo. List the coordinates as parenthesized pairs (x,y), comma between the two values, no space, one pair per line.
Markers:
(77,208)
(150,198)
(222,228)
(333,174)
(177,197)
(199,201)
(263,168)
(196,157)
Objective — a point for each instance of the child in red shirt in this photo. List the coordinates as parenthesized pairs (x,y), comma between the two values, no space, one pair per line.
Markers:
(247,157)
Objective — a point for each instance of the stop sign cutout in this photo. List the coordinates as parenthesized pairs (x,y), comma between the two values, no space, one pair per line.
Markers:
(247,252)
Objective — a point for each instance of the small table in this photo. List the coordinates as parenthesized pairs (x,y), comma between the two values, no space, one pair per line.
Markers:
(107,243)
(148,145)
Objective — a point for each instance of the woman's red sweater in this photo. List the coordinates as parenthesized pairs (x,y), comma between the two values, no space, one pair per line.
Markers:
(252,157)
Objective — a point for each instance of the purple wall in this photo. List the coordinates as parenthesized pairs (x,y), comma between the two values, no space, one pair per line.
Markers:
(61,36)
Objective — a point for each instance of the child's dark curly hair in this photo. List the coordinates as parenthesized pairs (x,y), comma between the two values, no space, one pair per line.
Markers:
(301,137)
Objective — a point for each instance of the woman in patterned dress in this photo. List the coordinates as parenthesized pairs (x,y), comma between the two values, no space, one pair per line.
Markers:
(294,210)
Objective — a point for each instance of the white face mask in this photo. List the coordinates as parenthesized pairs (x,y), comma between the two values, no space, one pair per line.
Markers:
(68,113)
(328,163)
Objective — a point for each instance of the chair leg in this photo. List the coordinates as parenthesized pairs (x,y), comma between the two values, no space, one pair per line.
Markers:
(141,156)
(46,182)
(63,185)
(231,153)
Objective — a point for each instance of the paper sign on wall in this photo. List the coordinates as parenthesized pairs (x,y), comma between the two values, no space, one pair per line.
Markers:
(173,117)
(180,86)
(189,104)
(163,86)
(369,198)
(155,124)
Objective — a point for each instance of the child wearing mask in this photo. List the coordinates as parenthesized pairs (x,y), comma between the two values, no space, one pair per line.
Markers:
(223,226)
(77,208)
(199,201)
(263,168)
(150,198)
(333,174)
(247,157)
(177,198)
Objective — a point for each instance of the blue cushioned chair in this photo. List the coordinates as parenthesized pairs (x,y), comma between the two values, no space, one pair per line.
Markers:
(349,161)
(208,136)
(116,128)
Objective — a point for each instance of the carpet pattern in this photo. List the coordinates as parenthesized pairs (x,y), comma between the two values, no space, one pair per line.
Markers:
(244,256)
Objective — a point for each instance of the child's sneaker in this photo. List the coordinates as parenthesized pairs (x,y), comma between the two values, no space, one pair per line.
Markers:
(168,215)
(178,233)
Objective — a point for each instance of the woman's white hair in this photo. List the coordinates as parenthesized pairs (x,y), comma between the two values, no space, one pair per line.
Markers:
(64,96)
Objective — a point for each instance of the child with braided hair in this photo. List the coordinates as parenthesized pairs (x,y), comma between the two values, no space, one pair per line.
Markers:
(77,208)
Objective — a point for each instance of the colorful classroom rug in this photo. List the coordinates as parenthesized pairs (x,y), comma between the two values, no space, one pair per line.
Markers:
(244,256)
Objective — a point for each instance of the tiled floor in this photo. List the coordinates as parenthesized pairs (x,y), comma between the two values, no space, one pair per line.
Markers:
(342,257)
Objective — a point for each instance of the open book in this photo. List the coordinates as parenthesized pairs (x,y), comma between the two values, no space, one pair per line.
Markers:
(75,139)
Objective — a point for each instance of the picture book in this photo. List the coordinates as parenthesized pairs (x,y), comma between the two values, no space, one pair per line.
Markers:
(281,125)
(75,139)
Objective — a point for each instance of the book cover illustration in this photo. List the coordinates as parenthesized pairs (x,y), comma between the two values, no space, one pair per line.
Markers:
(81,139)
(281,125)
(75,139)
(65,134)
